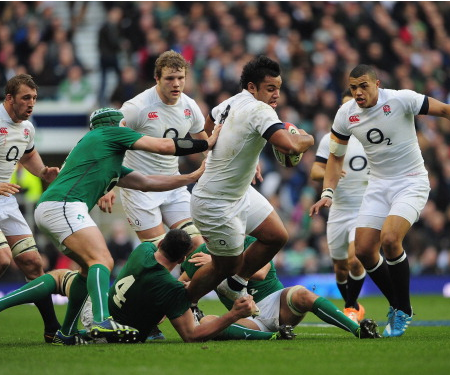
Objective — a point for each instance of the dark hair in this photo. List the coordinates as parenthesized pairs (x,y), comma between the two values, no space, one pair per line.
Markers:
(170,59)
(176,244)
(257,69)
(362,69)
(13,85)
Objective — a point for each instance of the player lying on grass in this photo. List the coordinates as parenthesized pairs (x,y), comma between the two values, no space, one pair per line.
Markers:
(281,308)
(144,293)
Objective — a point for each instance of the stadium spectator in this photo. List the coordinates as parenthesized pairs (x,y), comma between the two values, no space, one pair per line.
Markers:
(76,88)
(398,188)
(109,46)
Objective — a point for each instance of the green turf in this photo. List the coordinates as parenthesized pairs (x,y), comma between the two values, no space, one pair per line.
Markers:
(316,349)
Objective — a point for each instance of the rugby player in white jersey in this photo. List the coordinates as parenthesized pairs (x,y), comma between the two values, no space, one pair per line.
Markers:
(162,111)
(341,224)
(17,145)
(383,121)
(224,205)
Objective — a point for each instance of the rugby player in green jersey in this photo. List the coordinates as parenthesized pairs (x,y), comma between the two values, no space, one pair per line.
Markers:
(144,293)
(281,308)
(93,168)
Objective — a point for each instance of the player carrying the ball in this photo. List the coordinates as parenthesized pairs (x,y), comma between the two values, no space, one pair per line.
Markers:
(224,205)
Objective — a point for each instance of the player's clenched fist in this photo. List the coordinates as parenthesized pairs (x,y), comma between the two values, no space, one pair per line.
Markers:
(244,306)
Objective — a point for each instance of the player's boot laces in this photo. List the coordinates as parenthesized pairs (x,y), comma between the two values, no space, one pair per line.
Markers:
(114,332)
(368,329)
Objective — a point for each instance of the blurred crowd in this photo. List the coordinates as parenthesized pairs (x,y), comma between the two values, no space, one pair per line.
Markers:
(316,43)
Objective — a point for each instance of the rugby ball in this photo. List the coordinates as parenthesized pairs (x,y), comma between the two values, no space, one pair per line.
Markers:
(284,159)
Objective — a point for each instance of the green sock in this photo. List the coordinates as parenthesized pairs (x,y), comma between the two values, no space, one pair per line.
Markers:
(35,290)
(77,296)
(235,331)
(328,312)
(98,286)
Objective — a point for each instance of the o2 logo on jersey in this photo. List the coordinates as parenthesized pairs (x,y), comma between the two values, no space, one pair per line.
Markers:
(187,113)
(26,133)
(153,115)
(386,110)
(354,119)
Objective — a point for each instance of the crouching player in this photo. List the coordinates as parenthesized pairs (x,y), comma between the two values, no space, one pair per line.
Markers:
(281,308)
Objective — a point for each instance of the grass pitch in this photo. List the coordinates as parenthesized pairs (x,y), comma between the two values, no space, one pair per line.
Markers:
(317,349)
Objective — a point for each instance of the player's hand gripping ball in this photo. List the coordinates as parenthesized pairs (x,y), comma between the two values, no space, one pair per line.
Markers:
(284,159)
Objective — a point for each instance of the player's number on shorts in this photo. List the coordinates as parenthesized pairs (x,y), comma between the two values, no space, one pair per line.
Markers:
(122,287)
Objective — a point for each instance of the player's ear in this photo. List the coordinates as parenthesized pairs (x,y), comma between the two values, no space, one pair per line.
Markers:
(251,87)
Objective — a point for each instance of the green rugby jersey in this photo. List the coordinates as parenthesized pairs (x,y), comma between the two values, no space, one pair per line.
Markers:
(258,289)
(145,291)
(93,167)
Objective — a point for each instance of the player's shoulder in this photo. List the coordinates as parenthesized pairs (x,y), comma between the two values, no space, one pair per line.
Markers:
(402,94)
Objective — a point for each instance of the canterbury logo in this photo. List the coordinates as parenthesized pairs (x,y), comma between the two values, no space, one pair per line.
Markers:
(3,131)
(354,119)
(153,115)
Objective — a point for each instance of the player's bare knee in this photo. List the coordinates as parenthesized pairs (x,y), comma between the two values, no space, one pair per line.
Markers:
(390,241)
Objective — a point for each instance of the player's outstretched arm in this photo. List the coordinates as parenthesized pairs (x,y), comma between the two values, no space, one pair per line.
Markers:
(159,183)
(437,108)
(187,330)
(176,146)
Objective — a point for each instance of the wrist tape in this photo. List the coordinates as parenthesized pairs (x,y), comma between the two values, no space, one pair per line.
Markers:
(328,193)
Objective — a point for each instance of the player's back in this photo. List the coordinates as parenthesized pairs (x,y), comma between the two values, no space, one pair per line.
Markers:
(145,291)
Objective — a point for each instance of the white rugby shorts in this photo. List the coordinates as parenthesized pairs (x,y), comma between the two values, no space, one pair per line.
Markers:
(12,221)
(341,228)
(404,197)
(224,224)
(269,318)
(61,219)
(146,210)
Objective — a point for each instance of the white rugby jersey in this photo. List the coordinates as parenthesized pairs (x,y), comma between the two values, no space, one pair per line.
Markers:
(350,190)
(386,131)
(147,114)
(231,165)
(15,139)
